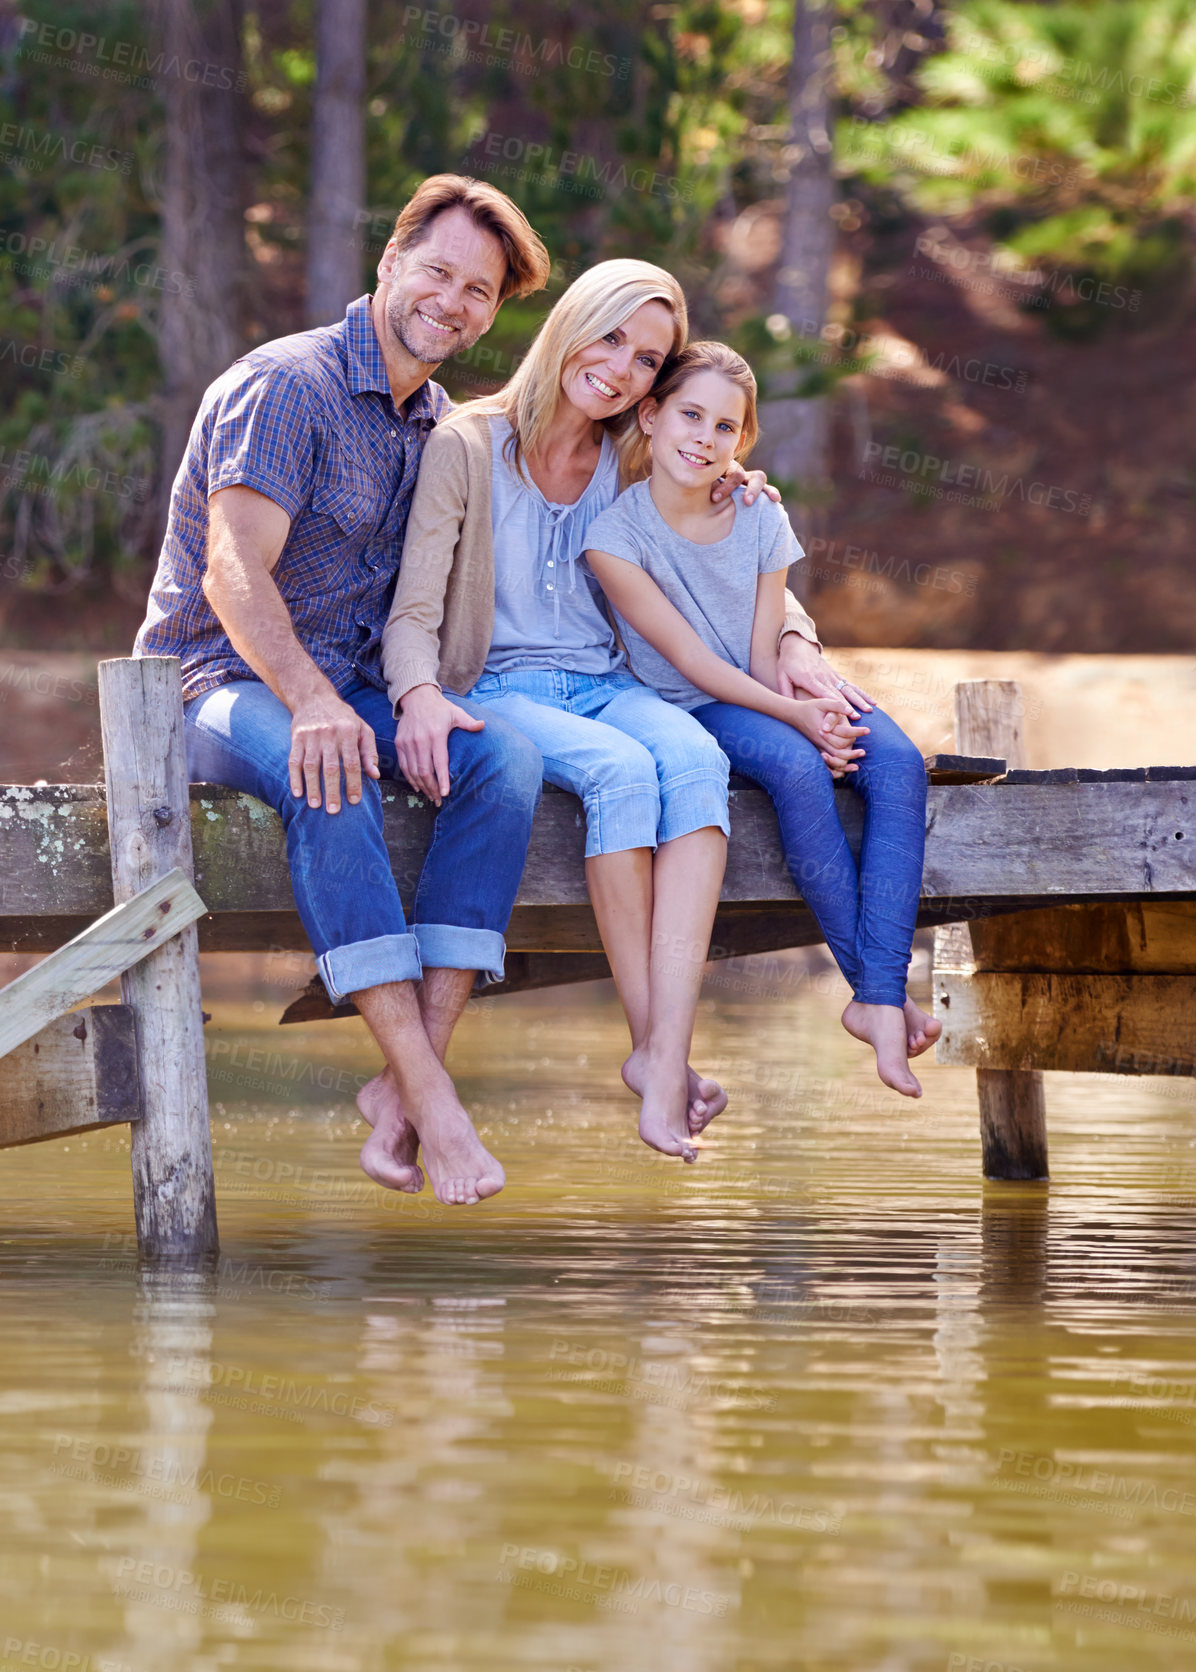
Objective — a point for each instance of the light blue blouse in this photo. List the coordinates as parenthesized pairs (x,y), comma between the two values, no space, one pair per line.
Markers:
(547,605)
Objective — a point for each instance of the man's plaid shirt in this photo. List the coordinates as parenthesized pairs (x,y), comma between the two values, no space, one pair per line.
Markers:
(308,421)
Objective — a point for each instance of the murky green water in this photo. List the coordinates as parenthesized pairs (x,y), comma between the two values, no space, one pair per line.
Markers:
(823,1401)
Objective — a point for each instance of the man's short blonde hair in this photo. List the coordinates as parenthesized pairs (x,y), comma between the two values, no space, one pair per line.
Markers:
(528,265)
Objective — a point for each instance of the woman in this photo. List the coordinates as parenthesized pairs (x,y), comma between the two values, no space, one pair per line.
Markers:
(495,602)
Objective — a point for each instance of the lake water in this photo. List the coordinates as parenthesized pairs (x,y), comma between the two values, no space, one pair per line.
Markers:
(825,1400)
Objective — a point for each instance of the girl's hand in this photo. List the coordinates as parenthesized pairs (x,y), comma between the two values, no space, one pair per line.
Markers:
(838,744)
(826,721)
(751,481)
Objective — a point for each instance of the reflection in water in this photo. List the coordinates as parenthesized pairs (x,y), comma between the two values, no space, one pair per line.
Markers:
(171,1339)
(825,1400)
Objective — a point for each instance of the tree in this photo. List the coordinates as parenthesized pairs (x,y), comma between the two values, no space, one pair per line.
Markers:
(795,429)
(337,161)
(203,212)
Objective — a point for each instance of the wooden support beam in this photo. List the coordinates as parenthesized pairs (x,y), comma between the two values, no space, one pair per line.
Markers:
(113,944)
(1086,1024)
(149,826)
(1154,936)
(1013,1138)
(76,1075)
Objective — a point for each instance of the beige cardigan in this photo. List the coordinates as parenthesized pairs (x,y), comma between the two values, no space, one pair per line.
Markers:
(441,622)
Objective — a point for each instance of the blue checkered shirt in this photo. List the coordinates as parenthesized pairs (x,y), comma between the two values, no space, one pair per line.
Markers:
(308,421)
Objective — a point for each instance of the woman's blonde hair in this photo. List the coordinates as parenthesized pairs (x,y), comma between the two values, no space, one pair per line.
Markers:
(600,300)
(676,373)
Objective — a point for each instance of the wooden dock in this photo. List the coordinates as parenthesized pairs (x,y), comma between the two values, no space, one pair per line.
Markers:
(1071,897)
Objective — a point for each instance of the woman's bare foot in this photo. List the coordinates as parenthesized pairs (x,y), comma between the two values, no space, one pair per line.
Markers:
(883,1027)
(664,1111)
(705,1098)
(389,1154)
(921,1030)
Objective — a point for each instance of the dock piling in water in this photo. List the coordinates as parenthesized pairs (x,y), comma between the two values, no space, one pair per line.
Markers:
(149,828)
(1013,1133)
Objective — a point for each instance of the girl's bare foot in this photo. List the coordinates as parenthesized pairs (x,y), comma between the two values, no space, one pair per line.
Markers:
(921,1030)
(664,1111)
(883,1027)
(705,1098)
(389,1154)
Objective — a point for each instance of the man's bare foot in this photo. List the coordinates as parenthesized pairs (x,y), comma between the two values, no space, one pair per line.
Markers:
(921,1030)
(705,1098)
(883,1027)
(461,1168)
(664,1111)
(389,1153)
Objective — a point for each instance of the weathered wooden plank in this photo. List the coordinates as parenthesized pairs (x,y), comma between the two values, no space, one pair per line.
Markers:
(984,841)
(76,1075)
(149,831)
(1069,840)
(1151,936)
(964,769)
(1111,1024)
(112,945)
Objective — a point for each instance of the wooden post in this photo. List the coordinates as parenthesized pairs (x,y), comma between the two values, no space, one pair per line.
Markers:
(149,831)
(988,721)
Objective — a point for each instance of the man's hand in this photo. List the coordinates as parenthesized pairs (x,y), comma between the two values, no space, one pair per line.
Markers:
(801,666)
(752,482)
(326,734)
(421,741)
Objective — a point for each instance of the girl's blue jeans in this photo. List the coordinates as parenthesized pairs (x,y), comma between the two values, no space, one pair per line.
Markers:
(867,912)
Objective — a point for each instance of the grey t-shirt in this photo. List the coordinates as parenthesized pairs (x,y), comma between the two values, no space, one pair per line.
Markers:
(714,587)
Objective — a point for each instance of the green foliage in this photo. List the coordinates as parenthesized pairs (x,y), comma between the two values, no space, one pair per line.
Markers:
(80,287)
(1071,125)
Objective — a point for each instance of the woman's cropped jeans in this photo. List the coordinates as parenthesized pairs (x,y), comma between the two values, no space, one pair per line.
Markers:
(645,772)
(867,912)
(345,891)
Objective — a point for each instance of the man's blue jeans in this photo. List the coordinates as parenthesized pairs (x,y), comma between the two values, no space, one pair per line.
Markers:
(240,735)
(867,913)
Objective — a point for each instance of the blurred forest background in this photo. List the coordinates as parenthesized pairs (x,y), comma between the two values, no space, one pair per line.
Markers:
(955,242)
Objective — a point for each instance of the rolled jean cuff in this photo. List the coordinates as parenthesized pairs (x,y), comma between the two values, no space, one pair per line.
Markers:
(369,963)
(693,802)
(621,819)
(447,946)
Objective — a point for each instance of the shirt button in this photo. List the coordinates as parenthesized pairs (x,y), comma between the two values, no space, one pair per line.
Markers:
(550,586)
(394,432)
(551,564)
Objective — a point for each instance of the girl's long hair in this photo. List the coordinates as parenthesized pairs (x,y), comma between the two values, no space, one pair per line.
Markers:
(675,374)
(600,300)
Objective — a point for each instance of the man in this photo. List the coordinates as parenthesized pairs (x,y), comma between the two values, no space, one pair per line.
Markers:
(273,586)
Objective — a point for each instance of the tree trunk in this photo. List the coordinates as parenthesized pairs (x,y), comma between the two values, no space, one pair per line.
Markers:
(795,432)
(337,161)
(203,211)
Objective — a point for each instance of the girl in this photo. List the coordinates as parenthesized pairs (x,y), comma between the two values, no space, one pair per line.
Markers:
(494,601)
(698,591)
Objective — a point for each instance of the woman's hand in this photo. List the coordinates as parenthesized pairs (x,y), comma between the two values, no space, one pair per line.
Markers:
(421,741)
(801,666)
(751,481)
